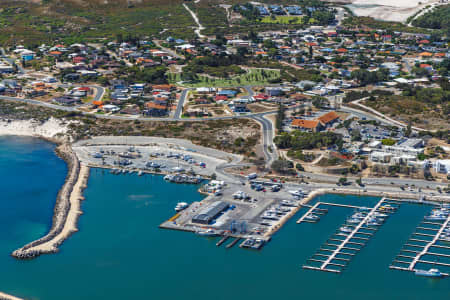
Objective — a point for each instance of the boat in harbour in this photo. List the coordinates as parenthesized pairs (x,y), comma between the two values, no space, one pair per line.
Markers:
(180,206)
(346,229)
(208,233)
(297,193)
(311,217)
(436,217)
(429,273)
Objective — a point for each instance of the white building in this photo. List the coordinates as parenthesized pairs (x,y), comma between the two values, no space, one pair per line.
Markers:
(442,166)
(382,157)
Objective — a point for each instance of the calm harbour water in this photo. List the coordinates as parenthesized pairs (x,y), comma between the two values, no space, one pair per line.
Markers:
(120,253)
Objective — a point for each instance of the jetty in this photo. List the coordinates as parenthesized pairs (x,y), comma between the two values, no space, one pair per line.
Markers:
(425,246)
(234,242)
(342,246)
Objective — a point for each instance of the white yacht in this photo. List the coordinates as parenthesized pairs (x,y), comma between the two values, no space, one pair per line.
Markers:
(346,229)
(429,273)
(297,193)
(208,232)
(180,206)
(311,217)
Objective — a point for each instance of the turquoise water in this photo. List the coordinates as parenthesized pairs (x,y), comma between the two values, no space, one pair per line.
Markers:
(120,253)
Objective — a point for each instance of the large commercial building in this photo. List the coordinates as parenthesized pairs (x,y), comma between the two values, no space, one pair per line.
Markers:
(209,213)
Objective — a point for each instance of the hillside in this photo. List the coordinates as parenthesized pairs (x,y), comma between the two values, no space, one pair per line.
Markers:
(38,21)
(438,18)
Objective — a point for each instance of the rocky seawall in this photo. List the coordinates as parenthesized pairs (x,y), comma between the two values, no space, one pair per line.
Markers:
(66,208)
(4,296)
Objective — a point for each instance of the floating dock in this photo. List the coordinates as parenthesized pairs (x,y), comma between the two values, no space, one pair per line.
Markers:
(222,240)
(234,242)
(341,247)
(423,247)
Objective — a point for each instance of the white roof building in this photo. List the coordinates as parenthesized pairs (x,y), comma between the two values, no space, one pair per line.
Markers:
(442,166)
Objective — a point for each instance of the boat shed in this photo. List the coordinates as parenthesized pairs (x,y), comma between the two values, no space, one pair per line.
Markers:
(208,214)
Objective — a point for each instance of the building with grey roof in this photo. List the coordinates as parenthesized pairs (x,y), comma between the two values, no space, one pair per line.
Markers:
(209,213)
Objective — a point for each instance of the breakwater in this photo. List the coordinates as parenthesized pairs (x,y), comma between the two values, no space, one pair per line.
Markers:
(66,210)
(4,296)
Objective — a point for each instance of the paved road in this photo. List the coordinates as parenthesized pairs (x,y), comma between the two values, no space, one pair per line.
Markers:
(376,181)
(384,117)
(180,105)
(11,61)
(99,90)
(269,148)
(170,51)
(118,117)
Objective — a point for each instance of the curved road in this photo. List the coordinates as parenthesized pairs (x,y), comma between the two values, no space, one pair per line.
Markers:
(269,148)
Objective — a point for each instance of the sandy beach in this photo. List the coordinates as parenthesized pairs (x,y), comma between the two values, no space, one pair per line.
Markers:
(386,10)
(50,129)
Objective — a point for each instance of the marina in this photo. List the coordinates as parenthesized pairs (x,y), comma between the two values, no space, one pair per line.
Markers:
(437,235)
(352,236)
(123,214)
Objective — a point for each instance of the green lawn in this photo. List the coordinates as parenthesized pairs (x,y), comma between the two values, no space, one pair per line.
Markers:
(282,20)
(253,77)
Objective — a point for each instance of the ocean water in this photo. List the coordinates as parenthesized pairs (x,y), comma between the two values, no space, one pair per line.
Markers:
(120,253)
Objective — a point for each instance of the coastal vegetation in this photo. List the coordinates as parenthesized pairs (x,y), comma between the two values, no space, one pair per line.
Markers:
(437,18)
(369,22)
(218,134)
(221,66)
(424,107)
(35,23)
(299,140)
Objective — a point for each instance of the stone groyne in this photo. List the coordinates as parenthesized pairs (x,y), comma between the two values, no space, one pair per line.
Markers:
(4,296)
(66,210)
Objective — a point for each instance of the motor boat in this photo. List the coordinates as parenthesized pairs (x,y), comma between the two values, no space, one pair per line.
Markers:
(208,233)
(346,229)
(180,206)
(429,273)
(297,193)
(311,217)
(353,220)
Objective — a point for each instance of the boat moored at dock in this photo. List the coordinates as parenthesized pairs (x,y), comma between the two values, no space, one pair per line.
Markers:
(430,273)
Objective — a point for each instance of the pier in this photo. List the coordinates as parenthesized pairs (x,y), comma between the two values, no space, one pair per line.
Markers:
(349,241)
(425,247)
(310,211)
(222,240)
(314,209)
(234,242)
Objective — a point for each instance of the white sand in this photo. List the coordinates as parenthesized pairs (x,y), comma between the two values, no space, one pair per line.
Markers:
(386,10)
(48,129)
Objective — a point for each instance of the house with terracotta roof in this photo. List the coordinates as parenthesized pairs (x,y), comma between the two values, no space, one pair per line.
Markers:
(155,109)
(306,125)
(328,119)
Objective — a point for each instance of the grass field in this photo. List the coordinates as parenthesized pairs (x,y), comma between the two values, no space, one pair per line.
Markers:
(282,20)
(252,77)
